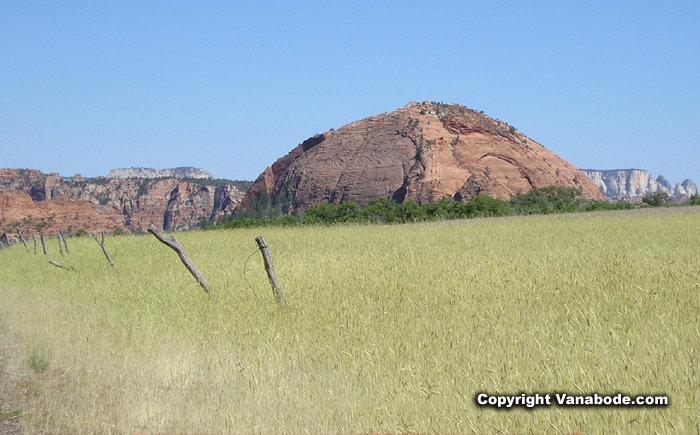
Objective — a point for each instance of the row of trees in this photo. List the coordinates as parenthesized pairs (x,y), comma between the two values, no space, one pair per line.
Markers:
(547,200)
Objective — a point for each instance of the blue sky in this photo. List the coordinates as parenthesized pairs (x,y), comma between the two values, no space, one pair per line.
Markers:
(231,86)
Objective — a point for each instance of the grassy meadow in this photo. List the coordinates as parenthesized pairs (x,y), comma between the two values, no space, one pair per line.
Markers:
(389,329)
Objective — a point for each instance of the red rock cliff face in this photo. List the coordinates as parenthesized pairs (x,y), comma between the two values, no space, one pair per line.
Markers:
(130,203)
(421,152)
(19,210)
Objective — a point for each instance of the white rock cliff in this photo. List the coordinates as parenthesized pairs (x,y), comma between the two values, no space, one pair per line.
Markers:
(634,184)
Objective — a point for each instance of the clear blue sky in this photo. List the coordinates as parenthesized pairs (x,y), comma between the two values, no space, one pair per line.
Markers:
(231,86)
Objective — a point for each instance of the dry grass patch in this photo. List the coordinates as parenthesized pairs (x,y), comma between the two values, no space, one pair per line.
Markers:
(389,329)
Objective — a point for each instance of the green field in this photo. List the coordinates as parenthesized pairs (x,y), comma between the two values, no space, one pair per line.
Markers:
(389,329)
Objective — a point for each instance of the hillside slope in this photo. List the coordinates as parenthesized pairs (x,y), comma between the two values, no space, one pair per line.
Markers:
(423,151)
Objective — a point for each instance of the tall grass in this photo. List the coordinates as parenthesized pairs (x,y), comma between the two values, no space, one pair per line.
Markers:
(389,329)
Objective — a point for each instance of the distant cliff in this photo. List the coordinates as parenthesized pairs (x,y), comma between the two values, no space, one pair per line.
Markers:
(182,172)
(30,200)
(634,184)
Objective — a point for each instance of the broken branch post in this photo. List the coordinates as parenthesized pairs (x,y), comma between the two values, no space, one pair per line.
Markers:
(43,244)
(104,250)
(61,266)
(63,237)
(21,237)
(272,276)
(175,245)
(7,240)
(60,244)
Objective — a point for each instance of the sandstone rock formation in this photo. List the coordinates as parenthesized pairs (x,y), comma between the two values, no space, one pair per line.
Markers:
(182,172)
(131,203)
(634,184)
(19,210)
(423,152)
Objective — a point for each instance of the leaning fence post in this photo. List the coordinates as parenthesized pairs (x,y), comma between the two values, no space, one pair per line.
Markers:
(104,250)
(43,244)
(21,237)
(63,237)
(60,266)
(175,245)
(60,244)
(272,276)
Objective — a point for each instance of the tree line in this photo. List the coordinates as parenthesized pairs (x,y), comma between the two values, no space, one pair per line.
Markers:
(547,200)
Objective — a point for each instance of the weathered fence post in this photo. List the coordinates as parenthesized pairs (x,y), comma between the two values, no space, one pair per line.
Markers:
(60,244)
(21,237)
(53,263)
(43,244)
(175,245)
(63,237)
(272,276)
(34,237)
(104,250)
(7,240)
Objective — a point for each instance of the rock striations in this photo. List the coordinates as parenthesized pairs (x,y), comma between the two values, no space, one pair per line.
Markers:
(423,152)
(634,184)
(38,202)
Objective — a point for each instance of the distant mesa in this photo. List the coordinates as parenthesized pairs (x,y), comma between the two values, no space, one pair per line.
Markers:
(37,202)
(182,172)
(634,184)
(422,152)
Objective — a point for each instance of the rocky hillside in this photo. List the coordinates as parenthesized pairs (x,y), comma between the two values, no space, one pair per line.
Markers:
(423,152)
(35,201)
(19,210)
(634,184)
(183,172)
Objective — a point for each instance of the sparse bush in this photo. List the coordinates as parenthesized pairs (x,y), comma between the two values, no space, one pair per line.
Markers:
(410,211)
(321,214)
(381,211)
(446,208)
(605,205)
(548,200)
(38,361)
(349,211)
(656,199)
(485,206)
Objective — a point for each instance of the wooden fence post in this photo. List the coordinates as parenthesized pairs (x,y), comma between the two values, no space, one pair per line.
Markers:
(104,250)
(60,244)
(7,240)
(21,237)
(175,245)
(60,266)
(63,237)
(43,244)
(271,275)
